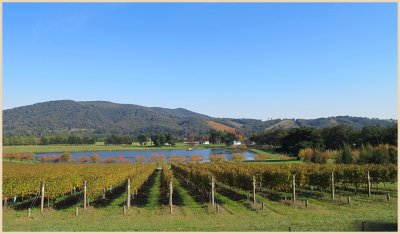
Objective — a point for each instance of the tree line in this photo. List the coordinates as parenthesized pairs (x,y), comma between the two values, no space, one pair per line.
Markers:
(371,144)
(159,139)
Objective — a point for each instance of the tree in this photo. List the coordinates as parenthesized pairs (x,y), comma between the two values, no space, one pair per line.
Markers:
(142,139)
(229,138)
(216,137)
(120,159)
(66,157)
(381,154)
(391,135)
(366,152)
(139,159)
(335,137)
(345,157)
(95,158)
(393,154)
(306,154)
(301,138)
(170,139)
(158,139)
(373,135)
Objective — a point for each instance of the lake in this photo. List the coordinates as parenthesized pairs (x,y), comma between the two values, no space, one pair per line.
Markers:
(205,153)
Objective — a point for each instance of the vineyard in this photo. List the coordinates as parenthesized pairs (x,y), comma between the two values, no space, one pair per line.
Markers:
(201,192)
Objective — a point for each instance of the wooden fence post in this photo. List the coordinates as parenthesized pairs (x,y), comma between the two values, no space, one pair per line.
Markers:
(76,210)
(29,212)
(84,195)
(369,184)
(333,185)
(306,203)
(262,206)
(254,190)
(388,196)
(42,197)
(124,209)
(170,196)
(128,193)
(348,200)
(293,188)
(212,191)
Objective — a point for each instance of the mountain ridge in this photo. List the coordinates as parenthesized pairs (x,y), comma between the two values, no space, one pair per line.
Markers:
(104,117)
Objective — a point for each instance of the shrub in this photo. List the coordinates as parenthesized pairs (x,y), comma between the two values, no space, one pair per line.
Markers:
(306,154)
(109,160)
(261,157)
(65,157)
(217,158)
(237,157)
(177,159)
(320,157)
(345,157)
(95,158)
(196,158)
(83,159)
(139,159)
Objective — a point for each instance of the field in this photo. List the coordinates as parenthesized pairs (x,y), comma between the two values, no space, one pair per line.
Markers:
(193,212)
(95,147)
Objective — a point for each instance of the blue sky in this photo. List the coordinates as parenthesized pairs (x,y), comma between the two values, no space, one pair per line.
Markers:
(248,60)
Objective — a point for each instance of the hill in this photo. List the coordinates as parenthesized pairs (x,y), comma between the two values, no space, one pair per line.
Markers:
(101,118)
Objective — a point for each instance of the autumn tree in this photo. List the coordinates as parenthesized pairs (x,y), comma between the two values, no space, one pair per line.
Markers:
(95,158)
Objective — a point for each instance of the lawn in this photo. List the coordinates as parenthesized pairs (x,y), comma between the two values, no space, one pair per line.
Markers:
(192,213)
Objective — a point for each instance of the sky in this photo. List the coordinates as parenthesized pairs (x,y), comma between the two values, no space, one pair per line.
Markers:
(239,60)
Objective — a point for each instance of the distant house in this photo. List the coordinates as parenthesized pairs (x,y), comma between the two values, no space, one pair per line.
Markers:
(206,143)
(237,143)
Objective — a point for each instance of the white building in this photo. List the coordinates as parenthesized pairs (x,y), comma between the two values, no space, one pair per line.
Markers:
(236,143)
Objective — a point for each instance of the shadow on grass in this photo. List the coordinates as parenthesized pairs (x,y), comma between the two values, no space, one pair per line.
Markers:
(199,197)
(141,199)
(376,226)
(110,197)
(177,199)
(235,196)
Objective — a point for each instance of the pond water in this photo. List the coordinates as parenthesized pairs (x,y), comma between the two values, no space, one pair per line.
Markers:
(205,153)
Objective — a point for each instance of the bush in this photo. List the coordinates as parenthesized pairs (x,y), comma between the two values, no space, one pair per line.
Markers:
(381,154)
(196,158)
(109,160)
(177,159)
(393,154)
(261,157)
(139,159)
(345,155)
(306,154)
(237,157)
(83,159)
(217,158)
(319,157)
(95,158)
(66,157)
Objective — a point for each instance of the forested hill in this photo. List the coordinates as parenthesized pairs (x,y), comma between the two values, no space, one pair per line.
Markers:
(101,118)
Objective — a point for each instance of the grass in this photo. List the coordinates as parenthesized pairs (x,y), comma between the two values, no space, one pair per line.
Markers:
(96,147)
(237,214)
